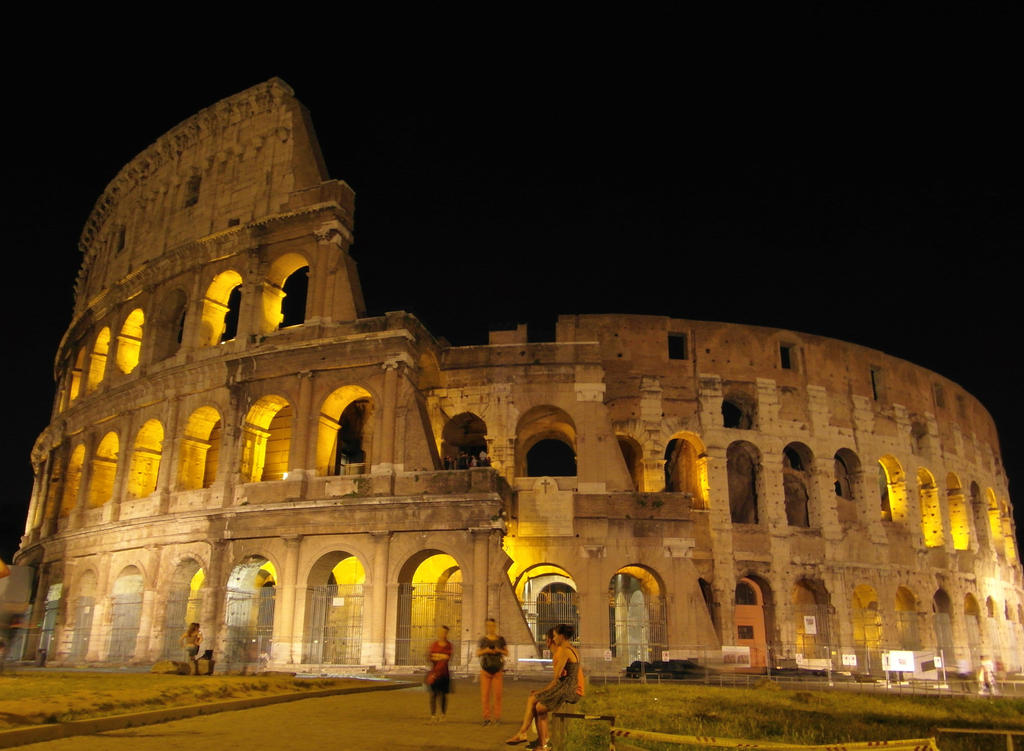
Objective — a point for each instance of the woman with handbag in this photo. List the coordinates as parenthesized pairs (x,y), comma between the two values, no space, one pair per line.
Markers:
(438,679)
(492,651)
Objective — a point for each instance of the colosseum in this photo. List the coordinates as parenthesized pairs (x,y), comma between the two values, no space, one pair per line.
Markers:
(234,441)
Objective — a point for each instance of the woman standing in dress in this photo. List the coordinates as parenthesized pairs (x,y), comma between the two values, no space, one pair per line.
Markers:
(561,689)
(191,640)
(438,679)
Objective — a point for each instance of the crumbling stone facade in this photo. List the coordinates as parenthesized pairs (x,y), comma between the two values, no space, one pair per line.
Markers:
(234,442)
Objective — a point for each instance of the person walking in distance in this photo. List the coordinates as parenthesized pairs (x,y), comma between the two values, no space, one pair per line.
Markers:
(438,679)
(492,651)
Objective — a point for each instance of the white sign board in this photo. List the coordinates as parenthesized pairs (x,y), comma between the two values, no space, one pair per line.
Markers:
(810,625)
(607,655)
(898,661)
(850,661)
(736,656)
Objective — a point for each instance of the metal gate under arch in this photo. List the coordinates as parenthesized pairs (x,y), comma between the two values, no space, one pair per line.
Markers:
(182,608)
(334,635)
(250,625)
(550,608)
(125,614)
(422,608)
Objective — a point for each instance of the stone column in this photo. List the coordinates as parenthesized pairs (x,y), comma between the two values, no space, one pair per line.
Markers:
(288,647)
(147,644)
(479,609)
(214,591)
(170,456)
(302,458)
(385,436)
(375,632)
(101,607)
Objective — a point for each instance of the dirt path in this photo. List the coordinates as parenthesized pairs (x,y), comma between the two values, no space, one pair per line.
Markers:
(376,720)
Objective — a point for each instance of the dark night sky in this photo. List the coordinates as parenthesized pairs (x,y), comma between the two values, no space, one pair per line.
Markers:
(873,204)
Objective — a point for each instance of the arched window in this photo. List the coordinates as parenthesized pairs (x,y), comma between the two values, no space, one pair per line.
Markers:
(104,470)
(545,443)
(266,440)
(72,480)
(129,341)
(200,449)
(892,489)
(738,411)
(797,483)
(145,466)
(169,327)
(125,615)
(942,619)
(931,513)
(906,619)
(344,432)
(221,308)
(959,521)
(98,360)
(285,293)
(633,456)
(686,470)
(743,466)
(77,372)
(463,437)
(810,610)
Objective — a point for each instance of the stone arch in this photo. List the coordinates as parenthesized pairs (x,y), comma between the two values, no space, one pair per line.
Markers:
(129,341)
(344,432)
(266,439)
(749,615)
(168,330)
(972,620)
(846,474)
(249,610)
(200,449)
(633,455)
(98,360)
(942,623)
(892,488)
(686,468)
(810,601)
(221,307)
(797,483)
(429,372)
(739,410)
(637,616)
(184,589)
(84,592)
(743,465)
(959,518)
(72,480)
(429,596)
(1006,522)
(145,465)
(931,511)
(288,277)
(867,627)
(995,524)
(333,631)
(125,614)
(980,513)
(545,443)
(548,595)
(77,374)
(463,438)
(906,609)
(104,471)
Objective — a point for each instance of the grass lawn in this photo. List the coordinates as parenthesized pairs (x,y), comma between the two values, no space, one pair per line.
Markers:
(768,713)
(32,698)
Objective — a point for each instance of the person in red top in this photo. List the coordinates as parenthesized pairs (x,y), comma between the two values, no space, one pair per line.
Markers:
(438,679)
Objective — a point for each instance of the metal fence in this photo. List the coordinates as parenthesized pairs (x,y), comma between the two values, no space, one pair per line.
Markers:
(335,631)
(422,608)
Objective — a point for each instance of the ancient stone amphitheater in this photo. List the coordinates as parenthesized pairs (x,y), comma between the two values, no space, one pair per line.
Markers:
(234,442)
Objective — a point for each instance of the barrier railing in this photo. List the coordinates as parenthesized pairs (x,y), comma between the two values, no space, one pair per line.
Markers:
(619,739)
(993,731)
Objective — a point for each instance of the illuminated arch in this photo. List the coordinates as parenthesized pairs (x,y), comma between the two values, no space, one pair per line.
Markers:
(104,470)
(200,449)
(77,372)
(334,610)
(72,480)
(184,604)
(750,600)
(344,432)
(429,596)
(995,523)
(633,456)
(145,466)
(942,622)
(548,595)
(98,360)
(867,626)
(972,620)
(810,602)
(266,439)
(892,488)
(129,341)
(288,277)
(221,306)
(931,511)
(125,614)
(249,610)
(686,469)
(959,518)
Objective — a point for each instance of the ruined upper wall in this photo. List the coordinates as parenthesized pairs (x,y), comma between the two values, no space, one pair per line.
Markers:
(633,346)
(243,158)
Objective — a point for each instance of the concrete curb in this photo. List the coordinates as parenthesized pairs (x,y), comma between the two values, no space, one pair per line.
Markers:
(41,733)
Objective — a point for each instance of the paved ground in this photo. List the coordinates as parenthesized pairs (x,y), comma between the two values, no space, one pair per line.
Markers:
(377,720)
